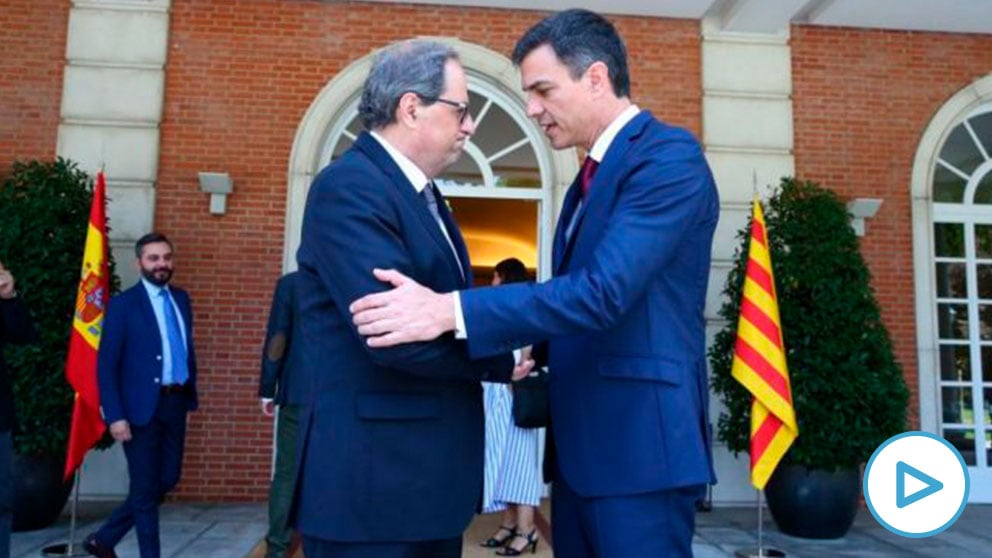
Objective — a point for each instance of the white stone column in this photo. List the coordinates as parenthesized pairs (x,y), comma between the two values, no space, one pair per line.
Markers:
(112,98)
(747,135)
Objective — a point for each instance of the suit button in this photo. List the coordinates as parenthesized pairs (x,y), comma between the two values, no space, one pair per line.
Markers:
(157,380)
(158,357)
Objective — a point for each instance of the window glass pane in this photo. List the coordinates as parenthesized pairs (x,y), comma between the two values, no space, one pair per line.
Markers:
(955,363)
(985,321)
(987,405)
(343,145)
(986,370)
(964,442)
(983,194)
(957,405)
(984,272)
(961,152)
(949,240)
(952,321)
(947,186)
(951,280)
(988,447)
(497,133)
(983,241)
(465,172)
(982,125)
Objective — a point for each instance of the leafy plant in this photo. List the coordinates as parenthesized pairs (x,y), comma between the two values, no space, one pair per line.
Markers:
(848,391)
(44,215)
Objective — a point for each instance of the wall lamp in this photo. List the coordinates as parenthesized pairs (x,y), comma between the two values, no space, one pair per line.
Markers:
(861,209)
(218,185)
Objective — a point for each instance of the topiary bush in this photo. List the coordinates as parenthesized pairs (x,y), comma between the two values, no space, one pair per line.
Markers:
(848,391)
(44,215)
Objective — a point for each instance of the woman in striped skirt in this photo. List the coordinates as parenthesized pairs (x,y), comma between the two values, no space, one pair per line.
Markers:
(513,474)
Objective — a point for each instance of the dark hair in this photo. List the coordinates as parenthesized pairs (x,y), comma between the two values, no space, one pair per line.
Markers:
(579,38)
(411,66)
(512,270)
(150,238)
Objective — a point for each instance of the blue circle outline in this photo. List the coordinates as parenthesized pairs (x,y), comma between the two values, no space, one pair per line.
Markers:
(949,522)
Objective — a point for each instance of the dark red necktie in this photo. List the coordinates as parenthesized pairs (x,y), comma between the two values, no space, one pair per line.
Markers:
(588,170)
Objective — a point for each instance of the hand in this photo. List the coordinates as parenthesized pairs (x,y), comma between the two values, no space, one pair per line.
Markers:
(523,369)
(121,430)
(268,407)
(6,283)
(407,313)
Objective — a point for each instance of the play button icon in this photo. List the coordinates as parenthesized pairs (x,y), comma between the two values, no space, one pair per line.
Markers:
(911,468)
(903,470)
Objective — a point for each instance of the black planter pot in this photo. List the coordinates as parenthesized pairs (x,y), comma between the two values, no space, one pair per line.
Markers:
(811,503)
(39,493)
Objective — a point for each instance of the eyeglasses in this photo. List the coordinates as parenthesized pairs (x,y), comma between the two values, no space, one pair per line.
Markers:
(462,108)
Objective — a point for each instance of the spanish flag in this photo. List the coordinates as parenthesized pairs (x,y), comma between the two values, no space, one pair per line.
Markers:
(759,360)
(84,341)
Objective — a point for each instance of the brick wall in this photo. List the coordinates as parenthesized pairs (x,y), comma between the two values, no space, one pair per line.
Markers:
(862,99)
(240,76)
(33,34)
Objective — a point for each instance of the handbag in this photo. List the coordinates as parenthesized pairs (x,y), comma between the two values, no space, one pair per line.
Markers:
(530,400)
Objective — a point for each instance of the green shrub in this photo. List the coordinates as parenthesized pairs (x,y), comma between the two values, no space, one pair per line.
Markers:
(848,391)
(44,214)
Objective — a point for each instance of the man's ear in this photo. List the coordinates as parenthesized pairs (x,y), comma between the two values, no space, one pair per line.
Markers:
(406,109)
(598,75)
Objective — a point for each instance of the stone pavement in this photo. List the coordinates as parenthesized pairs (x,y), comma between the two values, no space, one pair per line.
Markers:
(235,530)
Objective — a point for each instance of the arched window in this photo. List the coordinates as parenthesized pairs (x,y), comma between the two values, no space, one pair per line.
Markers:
(962,256)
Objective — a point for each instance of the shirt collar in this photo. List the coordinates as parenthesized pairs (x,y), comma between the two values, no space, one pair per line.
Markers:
(604,140)
(152,289)
(410,170)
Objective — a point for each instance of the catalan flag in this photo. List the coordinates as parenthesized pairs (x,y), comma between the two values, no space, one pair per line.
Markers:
(84,341)
(759,359)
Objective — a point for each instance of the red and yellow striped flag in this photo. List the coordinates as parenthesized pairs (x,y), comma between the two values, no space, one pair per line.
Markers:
(84,341)
(759,360)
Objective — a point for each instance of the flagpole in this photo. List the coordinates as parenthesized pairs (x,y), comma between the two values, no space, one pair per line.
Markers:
(67,549)
(761,526)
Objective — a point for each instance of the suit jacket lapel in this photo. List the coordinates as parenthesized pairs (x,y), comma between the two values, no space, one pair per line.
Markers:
(603,187)
(371,147)
(560,248)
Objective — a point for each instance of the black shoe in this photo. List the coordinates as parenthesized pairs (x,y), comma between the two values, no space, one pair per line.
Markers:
(96,548)
(497,542)
(509,549)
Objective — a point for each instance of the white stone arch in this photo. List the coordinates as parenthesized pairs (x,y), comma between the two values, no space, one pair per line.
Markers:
(326,117)
(952,113)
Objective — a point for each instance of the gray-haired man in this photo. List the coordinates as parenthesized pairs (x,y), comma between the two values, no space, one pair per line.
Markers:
(392,439)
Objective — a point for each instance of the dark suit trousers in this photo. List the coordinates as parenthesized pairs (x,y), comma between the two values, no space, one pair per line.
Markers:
(283,481)
(444,548)
(646,525)
(154,460)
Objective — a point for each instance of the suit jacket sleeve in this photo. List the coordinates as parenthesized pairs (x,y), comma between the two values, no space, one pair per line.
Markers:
(275,351)
(16,326)
(108,361)
(351,226)
(662,199)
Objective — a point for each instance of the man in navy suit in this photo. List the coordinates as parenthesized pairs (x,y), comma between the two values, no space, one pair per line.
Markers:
(282,384)
(146,369)
(623,314)
(392,441)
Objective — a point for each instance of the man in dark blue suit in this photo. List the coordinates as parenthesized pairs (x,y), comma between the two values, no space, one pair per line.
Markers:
(146,369)
(392,441)
(624,313)
(282,384)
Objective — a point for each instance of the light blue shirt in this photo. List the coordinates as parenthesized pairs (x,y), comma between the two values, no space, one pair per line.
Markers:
(154,294)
